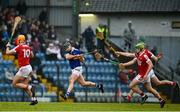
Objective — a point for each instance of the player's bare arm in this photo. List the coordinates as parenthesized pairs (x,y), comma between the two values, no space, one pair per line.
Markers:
(156,58)
(80,57)
(8,51)
(127,54)
(69,56)
(128,63)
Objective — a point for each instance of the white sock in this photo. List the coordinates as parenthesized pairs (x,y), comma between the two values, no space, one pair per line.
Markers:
(29,87)
(33,98)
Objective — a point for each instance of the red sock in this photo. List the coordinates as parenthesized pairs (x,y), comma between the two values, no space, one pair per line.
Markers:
(142,94)
(129,97)
(173,83)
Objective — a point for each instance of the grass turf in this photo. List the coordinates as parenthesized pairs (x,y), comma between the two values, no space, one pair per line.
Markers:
(24,106)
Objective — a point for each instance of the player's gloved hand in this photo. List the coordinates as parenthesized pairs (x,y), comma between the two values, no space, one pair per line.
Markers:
(80,57)
(110,48)
(121,66)
(98,56)
(8,45)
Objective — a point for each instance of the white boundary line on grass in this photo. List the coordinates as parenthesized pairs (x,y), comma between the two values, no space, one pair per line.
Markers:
(89,111)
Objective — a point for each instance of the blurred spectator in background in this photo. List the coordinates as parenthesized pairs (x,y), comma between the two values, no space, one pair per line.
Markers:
(141,39)
(23,26)
(41,37)
(9,75)
(1,58)
(89,35)
(154,51)
(80,42)
(52,34)
(36,45)
(31,27)
(128,40)
(5,35)
(58,49)
(33,30)
(29,37)
(100,37)
(178,68)
(43,16)
(21,7)
(130,36)
(52,52)
(106,35)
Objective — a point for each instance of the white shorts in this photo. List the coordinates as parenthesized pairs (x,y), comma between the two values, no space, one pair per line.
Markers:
(152,74)
(77,71)
(25,71)
(149,76)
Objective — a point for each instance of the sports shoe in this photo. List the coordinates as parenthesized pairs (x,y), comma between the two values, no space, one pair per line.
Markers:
(101,88)
(65,97)
(162,103)
(143,99)
(126,98)
(34,102)
(33,91)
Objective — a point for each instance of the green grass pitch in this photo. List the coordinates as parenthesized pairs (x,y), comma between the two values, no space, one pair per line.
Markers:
(25,107)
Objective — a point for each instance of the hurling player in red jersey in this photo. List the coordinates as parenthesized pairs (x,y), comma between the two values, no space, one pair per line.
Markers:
(21,79)
(153,77)
(145,73)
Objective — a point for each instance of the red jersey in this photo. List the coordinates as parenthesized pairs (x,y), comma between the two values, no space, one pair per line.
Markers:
(23,51)
(148,53)
(142,60)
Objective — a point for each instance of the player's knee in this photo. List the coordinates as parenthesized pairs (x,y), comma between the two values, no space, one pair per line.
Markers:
(130,86)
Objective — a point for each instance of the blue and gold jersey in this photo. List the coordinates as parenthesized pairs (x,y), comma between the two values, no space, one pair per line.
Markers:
(74,63)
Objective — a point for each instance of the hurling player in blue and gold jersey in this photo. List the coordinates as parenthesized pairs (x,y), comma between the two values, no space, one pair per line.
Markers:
(75,58)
